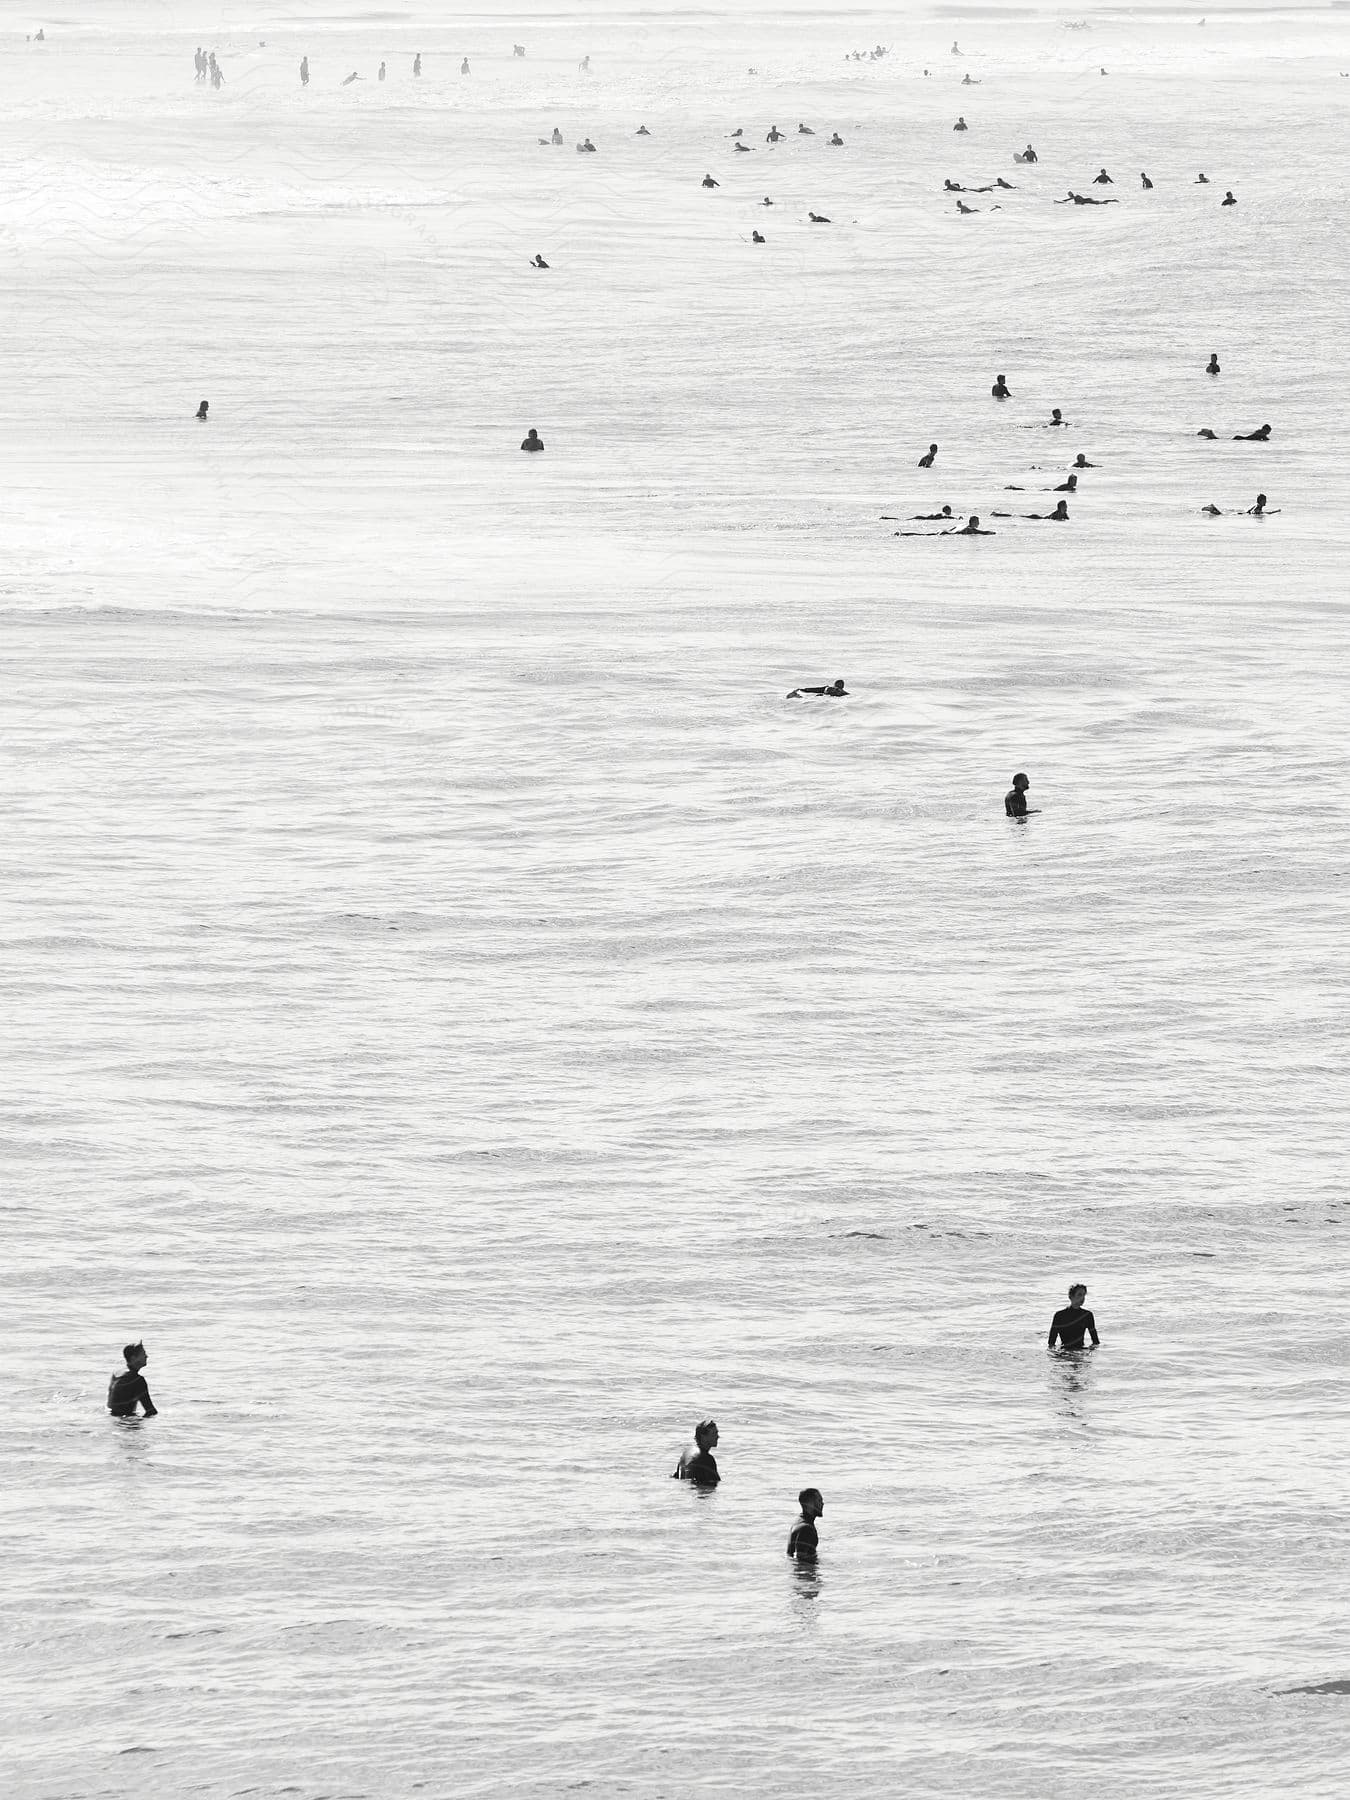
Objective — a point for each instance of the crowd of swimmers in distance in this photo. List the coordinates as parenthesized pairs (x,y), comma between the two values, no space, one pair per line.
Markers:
(1069,1329)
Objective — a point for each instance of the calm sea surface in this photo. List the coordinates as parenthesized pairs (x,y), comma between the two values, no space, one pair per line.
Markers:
(472,1026)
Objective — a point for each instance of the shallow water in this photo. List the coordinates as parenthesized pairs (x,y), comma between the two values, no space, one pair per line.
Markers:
(473,1026)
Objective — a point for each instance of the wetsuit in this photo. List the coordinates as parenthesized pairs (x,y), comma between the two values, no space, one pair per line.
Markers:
(125,1392)
(1015,803)
(1070,1323)
(700,1467)
(803,1541)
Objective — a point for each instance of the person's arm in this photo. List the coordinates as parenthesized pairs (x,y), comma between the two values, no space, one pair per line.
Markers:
(1054,1332)
(143,1395)
(1092,1331)
(792,1540)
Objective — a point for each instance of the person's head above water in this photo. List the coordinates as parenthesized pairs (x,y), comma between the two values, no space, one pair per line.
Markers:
(812,1503)
(1077,1294)
(203,409)
(1021,783)
(705,1434)
(135,1356)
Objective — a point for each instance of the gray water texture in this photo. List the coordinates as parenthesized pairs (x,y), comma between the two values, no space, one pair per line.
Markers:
(472,1025)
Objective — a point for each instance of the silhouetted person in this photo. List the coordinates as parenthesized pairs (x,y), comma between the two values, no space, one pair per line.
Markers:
(766,201)
(698,1464)
(203,409)
(805,131)
(642,131)
(1102,179)
(804,1540)
(743,149)
(709,182)
(818,219)
(835,691)
(1015,800)
(774,135)
(351,78)
(961,207)
(1201,180)
(538,262)
(836,139)
(1259,510)
(1229,199)
(1060,515)
(464,66)
(1212,366)
(1081,462)
(383,71)
(1252,437)
(1000,389)
(757,237)
(1144,180)
(971,528)
(304,71)
(533,441)
(1073,1322)
(1057,417)
(946,513)
(926,462)
(557,136)
(1068,486)
(1028,155)
(417,63)
(589,147)
(960,125)
(127,1389)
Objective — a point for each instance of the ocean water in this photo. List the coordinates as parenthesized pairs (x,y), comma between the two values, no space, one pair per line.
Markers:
(472,1025)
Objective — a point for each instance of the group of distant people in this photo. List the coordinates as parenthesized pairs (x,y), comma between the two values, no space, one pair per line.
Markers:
(1071,1326)
(208,69)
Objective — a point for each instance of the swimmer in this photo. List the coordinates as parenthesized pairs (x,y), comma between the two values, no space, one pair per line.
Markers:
(956,49)
(1060,515)
(1000,389)
(926,462)
(464,66)
(805,131)
(946,513)
(757,237)
(1259,510)
(1205,432)
(1228,199)
(819,219)
(971,528)
(774,135)
(744,149)
(1084,200)
(1073,1321)
(1081,462)
(960,125)
(698,1464)
(304,71)
(1212,366)
(585,65)
(1028,155)
(127,1389)
(557,137)
(586,144)
(835,690)
(766,201)
(642,131)
(1201,180)
(1102,179)
(203,409)
(1144,180)
(1015,800)
(967,82)
(804,1540)
(538,262)
(961,207)
(383,72)
(417,63)
(533,441)
(1057,417)
(738,131)
(708,182)
(1069,486)
(836,140)
(1252,437)
(351,78)
(1006,185)
(953,187)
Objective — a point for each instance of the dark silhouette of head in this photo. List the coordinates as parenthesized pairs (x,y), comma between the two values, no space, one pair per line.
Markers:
(135,1356)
